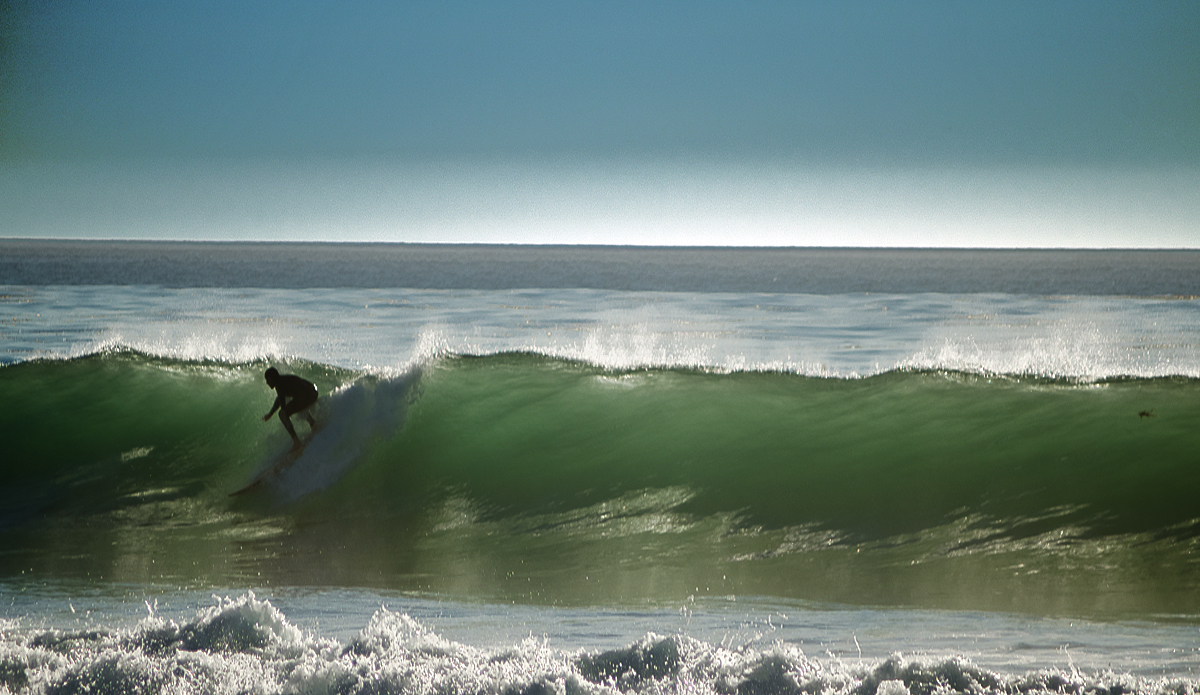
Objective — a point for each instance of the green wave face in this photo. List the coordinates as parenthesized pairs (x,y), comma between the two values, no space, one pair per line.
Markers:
(523,477)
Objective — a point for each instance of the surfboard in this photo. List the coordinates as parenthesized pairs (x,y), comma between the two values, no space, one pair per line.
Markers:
(287,459)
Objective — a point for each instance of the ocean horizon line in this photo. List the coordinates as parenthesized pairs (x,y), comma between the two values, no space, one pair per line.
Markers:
(568,245)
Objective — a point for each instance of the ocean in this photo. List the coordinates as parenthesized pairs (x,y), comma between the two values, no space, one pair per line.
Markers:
(556,469)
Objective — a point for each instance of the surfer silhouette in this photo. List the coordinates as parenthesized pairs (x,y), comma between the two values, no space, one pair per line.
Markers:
(296,395)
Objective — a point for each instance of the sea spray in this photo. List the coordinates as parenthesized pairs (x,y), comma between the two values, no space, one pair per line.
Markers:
(356,416)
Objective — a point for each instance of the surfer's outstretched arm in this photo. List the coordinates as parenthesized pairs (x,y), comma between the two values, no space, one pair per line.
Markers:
(277,406)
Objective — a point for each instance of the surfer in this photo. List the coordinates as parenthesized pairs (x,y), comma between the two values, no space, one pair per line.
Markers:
(296,395)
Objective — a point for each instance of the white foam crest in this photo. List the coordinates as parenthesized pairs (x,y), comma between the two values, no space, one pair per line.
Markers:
(217,347)
(634,346)
(392,633)
(399,654)
(432,342)
(244,645)
(242,623)
(1074,351)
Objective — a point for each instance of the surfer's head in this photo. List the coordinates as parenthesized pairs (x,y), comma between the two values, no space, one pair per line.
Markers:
(272,374)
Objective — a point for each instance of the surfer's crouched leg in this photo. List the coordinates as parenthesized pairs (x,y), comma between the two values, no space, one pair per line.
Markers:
(292,408)
(297,406)
(287,425)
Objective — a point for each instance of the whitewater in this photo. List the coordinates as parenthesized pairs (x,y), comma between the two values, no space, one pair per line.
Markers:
(599,469)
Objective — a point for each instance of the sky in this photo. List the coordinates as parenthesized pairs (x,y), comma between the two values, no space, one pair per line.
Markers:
(705,122)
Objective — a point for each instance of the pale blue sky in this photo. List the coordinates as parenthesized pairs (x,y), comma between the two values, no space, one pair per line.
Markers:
(700,122)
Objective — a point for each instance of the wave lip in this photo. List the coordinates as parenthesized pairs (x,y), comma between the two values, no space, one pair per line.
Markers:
(840,336)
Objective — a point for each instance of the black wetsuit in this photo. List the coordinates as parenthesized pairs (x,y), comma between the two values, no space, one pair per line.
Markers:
(301,392)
